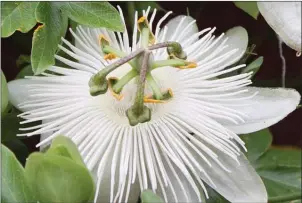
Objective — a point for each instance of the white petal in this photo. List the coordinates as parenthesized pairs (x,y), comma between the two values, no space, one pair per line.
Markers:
(176,30)
(285,19)
(242,184)
(43,136)
(18,92)
(210,52)
(237,39)
(181,191)
(104,190)
(268,107)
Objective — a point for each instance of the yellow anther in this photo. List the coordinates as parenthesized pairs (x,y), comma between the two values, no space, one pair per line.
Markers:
(167,96)
(109,56)
(190,65)
(153,101)
(141,19)
(119,97)
(103,38)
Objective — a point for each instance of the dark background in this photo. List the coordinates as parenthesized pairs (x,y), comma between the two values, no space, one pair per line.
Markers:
(223,15)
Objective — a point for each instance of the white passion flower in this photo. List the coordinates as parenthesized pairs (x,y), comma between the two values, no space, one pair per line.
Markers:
(285,19)
(155,114)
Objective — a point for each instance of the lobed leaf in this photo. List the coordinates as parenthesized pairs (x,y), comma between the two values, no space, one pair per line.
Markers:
(47,36)
(17,16)
(57,178)
(93,14)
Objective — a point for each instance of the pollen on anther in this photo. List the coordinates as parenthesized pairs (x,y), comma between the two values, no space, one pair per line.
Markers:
(190,65)
(109,56)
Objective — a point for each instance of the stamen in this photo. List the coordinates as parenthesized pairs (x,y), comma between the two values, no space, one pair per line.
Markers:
(110,56)
(190,65)
(165,97)
(153,101)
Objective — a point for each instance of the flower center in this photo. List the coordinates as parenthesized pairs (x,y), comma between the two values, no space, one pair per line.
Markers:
(142,65)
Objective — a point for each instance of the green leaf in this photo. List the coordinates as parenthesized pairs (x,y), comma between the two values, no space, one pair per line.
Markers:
(253,66)
(47,36)
(280,157)
(63,146)
(58,179)
(93,14)
(14,185)
(148,196)
(17,16)
(257,143)
(4,94)
(250,7)
(280,169)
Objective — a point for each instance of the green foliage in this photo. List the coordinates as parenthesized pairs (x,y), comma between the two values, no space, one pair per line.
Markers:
(15,188)
(250,7)
(63,146)
(53,19)
(4,94)
(253,66)
(47,36)
(59,175)
(257,143)
(280,169)
(93,14)
(17,16)
(147,196)
(58,179)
